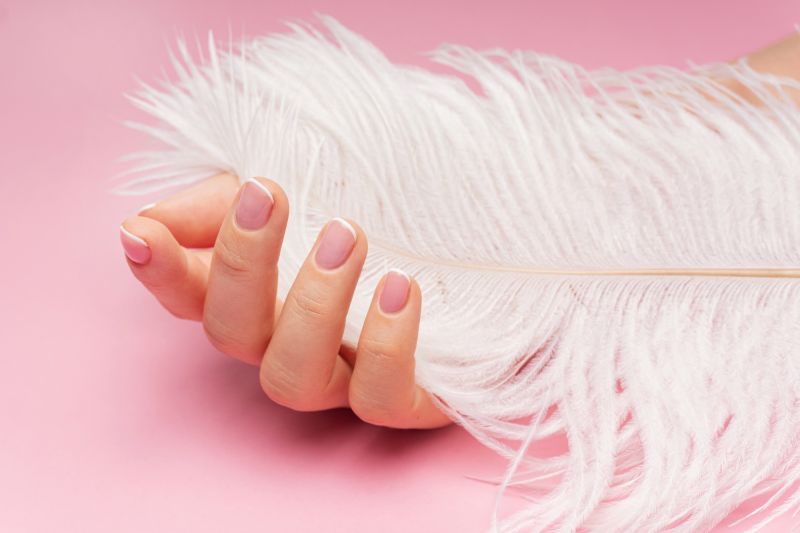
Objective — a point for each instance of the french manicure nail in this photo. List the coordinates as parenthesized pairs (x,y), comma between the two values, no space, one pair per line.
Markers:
(337,243)
(135,247)
(394,294)
(144,208)
(255,205)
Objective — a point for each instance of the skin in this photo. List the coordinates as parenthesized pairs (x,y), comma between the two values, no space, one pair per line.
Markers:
(781,58)
(297,344)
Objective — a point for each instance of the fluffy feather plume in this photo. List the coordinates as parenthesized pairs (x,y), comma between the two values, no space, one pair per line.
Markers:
(613,256)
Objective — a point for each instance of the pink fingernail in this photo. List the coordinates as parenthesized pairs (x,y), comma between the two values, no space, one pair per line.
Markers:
(394,294)
(336,245)
(135,247)
(255,205)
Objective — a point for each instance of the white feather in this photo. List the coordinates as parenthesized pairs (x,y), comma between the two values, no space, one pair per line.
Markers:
(578,237)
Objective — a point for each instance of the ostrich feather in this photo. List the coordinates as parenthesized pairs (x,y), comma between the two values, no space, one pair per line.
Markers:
(610,256)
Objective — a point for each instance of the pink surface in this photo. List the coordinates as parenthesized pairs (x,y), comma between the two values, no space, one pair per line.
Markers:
(116,417)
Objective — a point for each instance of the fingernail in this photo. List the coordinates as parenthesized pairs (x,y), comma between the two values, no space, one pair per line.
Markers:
(394,294)
(145,208)
(337,243)
(255,205)
(135,247)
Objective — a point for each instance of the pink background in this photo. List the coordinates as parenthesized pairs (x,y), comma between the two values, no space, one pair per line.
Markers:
(116,417)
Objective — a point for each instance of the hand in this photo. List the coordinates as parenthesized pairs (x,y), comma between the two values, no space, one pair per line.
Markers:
(297,343)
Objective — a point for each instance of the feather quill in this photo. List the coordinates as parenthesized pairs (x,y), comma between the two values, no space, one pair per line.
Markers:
(612,256)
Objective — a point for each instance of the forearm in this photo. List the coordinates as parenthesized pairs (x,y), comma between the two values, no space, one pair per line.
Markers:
(781,59)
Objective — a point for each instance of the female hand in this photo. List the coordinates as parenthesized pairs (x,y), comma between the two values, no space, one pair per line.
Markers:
(297,343)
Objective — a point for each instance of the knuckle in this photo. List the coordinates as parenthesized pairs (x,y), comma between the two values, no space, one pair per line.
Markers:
(382,361)
(308,305)
(231,260)
(371,411)
(376,393)
(227,340)
(282,388)
(380,352)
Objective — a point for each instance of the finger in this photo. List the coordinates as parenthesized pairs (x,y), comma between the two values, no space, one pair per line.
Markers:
(175,276)
(383,389)
(242,284)
(302,368)
(195,215)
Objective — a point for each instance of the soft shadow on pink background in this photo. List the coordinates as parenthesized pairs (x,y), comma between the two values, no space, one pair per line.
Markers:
(116,417)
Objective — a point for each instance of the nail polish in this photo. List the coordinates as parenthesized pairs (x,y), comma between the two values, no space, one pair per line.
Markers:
(254,207)
(135,247)
(336,245)
(144,208)
(394,294)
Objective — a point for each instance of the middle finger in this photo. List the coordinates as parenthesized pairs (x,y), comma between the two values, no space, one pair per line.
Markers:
(302,368)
